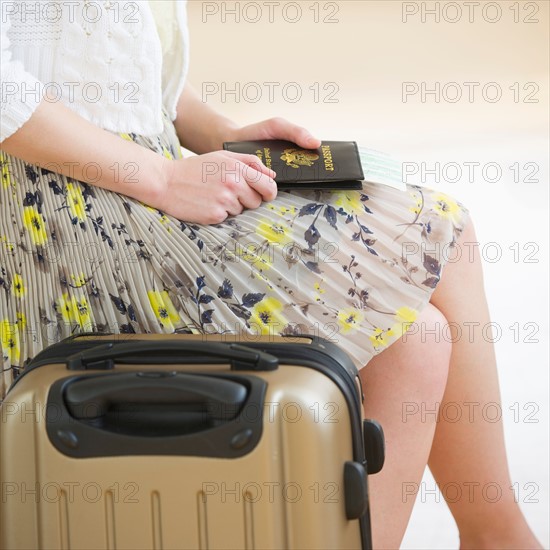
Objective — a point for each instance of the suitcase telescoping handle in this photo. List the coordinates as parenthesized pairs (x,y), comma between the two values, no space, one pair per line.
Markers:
(240,357)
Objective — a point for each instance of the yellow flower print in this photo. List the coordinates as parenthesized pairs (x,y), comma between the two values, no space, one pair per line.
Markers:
(165,220)
(267,315)
(75,202)
(6,177)
(446,207)
(35,225)
(64,307)
(18,286)
(21,320)
(78,280)
(283,210)
(260,257)
(126,137)
(10,247)
(167,153)
(381,337)
(9,341)
(83,311)
(274,232)
(350,202)
(416,208)
(75,311)
(349,319)
(418,202)
(164,309)
(318,291)
(405,317)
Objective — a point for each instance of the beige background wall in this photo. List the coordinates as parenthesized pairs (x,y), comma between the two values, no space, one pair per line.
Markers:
(368,54)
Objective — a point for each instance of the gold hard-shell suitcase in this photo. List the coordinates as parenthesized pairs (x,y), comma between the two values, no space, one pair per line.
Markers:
(187,441)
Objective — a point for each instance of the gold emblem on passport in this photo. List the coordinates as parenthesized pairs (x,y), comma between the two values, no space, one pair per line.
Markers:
(299,157)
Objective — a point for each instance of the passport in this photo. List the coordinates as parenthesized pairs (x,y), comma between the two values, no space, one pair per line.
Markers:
(334,165)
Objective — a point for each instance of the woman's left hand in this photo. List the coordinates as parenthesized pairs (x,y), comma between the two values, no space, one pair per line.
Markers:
(274,128)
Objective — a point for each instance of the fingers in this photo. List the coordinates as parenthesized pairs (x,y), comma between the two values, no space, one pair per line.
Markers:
(238,195)
(238,182)
(255,187)
(244,186)
(235,209)
(251,174)
(283,129)
(261,184)
(252,161)
(228,199)
(250,198)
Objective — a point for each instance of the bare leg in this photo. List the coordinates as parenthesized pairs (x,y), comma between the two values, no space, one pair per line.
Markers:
(470,454)
(402,375)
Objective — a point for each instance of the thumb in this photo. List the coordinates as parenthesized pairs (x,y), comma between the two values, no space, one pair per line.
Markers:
(296,134)
(307,141)
(303,138)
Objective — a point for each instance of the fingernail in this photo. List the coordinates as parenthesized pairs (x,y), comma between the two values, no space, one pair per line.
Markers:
(312,142)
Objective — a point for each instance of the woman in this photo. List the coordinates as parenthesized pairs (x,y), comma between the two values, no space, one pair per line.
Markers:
(105,227)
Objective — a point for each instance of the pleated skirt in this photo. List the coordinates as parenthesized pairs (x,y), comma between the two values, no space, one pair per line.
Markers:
(356,267)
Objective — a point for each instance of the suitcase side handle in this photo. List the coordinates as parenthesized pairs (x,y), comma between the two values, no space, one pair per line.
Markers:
(164,394)
(171,352)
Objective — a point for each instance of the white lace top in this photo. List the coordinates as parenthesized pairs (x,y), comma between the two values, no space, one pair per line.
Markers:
(114,62)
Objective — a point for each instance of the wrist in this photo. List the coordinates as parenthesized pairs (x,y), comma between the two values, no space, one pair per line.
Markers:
(155,184)
(225,130)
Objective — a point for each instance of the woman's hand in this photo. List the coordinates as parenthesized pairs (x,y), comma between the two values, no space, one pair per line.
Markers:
(274,128)
(208,188)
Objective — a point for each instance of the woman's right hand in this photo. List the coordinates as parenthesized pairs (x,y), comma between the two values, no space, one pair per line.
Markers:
(208,188)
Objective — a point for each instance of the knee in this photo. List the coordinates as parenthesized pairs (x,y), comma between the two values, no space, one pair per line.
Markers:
(428,353)
(418,363)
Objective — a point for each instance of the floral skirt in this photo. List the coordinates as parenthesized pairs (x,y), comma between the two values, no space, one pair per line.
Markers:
(356,267)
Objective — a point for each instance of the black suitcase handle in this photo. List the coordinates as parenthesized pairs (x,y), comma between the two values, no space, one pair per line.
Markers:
(171,352)
(168,396)
(155,412)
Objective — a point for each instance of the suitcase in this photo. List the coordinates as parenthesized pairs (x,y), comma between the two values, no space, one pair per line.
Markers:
(187,441)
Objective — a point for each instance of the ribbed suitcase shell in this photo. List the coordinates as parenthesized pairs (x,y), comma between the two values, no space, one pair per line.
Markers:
(288,492)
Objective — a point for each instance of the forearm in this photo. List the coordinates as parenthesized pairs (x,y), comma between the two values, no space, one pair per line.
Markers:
(200,128)
(60,140)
